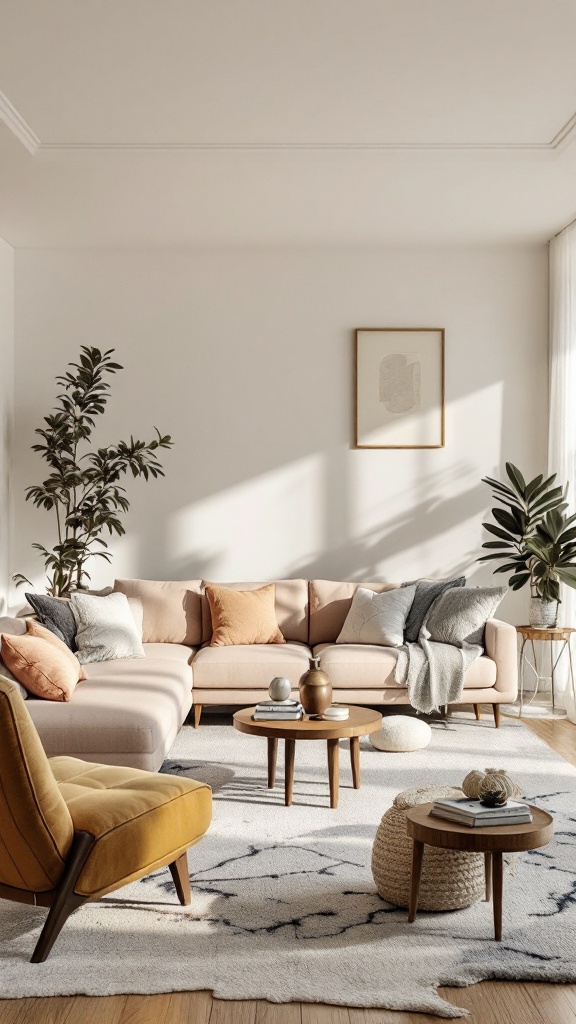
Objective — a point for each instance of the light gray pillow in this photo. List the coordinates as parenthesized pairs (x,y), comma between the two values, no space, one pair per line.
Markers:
(377,618)
(459,615)
(106,628)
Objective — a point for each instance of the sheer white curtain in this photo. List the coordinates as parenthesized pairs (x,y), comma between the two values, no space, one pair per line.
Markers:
(562,414)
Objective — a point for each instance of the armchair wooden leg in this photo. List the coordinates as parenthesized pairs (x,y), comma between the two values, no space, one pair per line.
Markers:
(197,714)
(477,712)
(65,900)
(496,710)
(181,879)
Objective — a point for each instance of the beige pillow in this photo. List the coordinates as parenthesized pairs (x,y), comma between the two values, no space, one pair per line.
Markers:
(34,628)
(40,666)
(171,609)
(243,616)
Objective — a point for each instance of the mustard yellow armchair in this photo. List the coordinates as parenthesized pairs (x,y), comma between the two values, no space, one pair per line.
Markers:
(71,831)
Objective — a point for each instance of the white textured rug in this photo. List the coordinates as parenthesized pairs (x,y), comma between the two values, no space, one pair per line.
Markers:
(284,906)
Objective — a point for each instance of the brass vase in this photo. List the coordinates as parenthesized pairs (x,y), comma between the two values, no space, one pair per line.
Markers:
(315,689)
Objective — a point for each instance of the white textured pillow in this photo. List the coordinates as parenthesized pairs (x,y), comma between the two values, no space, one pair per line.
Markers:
(377,618)
(106,628)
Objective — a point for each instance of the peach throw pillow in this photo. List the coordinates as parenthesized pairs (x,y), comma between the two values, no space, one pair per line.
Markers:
(34,628)
(42,669)
(243,616)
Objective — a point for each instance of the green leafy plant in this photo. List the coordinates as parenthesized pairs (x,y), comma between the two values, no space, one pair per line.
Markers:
(534,537)
(83,488)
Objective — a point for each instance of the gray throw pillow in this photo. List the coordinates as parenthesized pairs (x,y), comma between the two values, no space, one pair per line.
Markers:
(459,615)
(377,618)
(427,591)
(56,614)
(106,628)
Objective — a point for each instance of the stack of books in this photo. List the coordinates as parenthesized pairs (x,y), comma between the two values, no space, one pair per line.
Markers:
(278,711)
(474,814)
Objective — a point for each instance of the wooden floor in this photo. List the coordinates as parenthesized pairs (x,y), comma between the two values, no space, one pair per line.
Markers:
(490,1002)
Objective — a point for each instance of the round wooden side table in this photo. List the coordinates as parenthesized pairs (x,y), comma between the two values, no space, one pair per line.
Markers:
(492,841)
(361,722)
(532,636)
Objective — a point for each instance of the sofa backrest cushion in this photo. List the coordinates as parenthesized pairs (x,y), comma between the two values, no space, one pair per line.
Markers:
(291,603)
(330,603)
(172,612)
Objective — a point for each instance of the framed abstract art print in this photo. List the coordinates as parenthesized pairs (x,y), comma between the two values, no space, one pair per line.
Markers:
(399,387)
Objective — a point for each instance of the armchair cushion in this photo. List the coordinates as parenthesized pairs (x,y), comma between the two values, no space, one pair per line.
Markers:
(140,819)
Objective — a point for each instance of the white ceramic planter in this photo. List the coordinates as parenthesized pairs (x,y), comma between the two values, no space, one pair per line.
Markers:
(542,614)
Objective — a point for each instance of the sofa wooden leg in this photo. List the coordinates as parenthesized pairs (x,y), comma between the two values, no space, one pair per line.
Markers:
(477,712)
(496,710)
(181,879)
(65,900)
(197,714)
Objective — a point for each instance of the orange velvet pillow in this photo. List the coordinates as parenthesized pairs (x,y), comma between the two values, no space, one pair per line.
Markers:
(243,616)
(42,669)
(34,628)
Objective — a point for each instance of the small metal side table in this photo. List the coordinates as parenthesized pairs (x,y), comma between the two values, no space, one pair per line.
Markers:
(561,635)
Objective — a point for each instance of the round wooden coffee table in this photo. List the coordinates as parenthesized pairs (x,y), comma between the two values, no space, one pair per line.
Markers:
(361,722)
(492,841)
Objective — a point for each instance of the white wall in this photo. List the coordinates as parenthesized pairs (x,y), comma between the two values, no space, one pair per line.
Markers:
(6,406)
(246,358)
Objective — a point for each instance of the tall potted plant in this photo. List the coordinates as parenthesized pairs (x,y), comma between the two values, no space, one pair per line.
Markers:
(534,538)
(83,487)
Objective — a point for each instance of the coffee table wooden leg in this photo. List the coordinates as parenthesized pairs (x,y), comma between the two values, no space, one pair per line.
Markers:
(272,758)
(289,750)
(488,875)
(417,858)
(355,760)
(497,872)
(333,765)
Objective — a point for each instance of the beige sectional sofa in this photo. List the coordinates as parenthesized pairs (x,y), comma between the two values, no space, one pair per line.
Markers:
(129,711)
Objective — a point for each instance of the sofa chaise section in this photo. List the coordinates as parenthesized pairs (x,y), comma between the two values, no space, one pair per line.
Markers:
(127,712)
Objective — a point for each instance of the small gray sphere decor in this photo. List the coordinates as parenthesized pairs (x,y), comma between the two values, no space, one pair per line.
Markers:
(280,688)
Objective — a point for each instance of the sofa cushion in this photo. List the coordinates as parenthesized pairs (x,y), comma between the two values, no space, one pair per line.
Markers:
(125,712)
(366,667)
(42,668)
(171,609)
(56,614)
(330,603)
(291,605)
(459,616)
(377,618)
(249,667)
(35,628)
(243,616)
(106,629)
(427,592)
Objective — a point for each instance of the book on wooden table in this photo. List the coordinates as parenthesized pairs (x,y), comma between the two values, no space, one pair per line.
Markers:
(473,814)
(278,716)
(279,705)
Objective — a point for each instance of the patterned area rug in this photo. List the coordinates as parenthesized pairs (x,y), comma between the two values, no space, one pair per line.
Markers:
(284,906)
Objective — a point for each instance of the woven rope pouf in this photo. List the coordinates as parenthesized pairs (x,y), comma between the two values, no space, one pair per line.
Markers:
(450,879)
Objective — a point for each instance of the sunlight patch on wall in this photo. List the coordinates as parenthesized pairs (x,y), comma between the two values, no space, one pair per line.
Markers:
(251,530)
(420,512)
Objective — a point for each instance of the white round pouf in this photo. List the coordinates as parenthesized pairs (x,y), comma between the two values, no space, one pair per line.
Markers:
(401,732)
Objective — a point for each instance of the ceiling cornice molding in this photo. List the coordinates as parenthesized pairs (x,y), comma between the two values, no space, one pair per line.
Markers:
(18,126)
(27,136)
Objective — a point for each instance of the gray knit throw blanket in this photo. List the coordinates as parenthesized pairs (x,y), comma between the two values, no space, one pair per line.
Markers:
(433,673)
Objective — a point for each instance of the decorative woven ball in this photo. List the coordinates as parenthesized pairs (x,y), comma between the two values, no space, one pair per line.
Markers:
(401,732)
(450,879)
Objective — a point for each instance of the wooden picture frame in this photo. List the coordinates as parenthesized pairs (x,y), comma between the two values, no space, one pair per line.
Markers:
(399,388)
